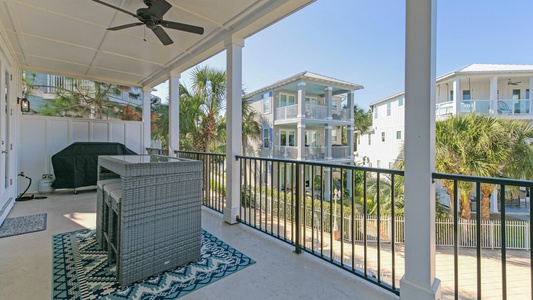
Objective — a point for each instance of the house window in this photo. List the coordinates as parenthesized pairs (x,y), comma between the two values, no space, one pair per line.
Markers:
(379,163)
(451,95)
(388,108)
(375,109)
(400,101)
(383,136)
(516,94)
(266,102)
(527,93)
(286,100)
(287,138)
(266,138)
(466,94)
(369,139)
(358,140)
(334,135)
(398,135)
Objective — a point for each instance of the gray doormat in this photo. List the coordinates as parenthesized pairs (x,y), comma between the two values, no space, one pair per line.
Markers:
(22,225)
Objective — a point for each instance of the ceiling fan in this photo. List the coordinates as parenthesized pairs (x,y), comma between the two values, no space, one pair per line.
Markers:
(152,17)
(513,82)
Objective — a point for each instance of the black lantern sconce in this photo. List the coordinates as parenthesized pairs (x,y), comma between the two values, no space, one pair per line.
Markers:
(24,104)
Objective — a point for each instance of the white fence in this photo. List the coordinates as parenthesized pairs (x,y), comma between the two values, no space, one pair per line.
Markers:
(516,231)
(42,137)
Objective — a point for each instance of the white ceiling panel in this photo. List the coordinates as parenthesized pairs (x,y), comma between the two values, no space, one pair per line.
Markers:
(57,51)
(70,37)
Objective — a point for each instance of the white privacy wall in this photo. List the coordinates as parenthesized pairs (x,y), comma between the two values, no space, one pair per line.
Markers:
(42,137)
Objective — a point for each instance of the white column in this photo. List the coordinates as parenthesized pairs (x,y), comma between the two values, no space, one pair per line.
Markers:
(419,281)
(300,136)
(174,112)
(456,87)
(494,95)
(328,96)
(531,95)
(146,117)
(301,100)
(493,201)
(233,126)
(327,141)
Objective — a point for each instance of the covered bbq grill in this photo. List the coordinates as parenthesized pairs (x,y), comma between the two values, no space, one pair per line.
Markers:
(76,165)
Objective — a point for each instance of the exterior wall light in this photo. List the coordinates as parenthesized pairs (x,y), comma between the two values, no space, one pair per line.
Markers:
(24,104)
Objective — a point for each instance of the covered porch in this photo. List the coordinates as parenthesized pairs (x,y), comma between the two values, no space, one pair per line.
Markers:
(45,36)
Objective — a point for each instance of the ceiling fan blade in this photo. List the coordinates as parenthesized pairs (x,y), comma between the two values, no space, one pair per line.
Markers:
(162,35)
(159,8)
(117,8)
(182,27)
(125,26)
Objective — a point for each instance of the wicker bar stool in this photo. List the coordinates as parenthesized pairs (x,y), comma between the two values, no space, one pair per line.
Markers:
(113,196)
(101,210)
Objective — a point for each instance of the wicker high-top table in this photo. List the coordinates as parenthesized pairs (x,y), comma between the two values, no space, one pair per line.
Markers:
(160,213)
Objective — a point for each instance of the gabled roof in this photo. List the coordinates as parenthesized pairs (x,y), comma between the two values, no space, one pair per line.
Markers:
(309,77)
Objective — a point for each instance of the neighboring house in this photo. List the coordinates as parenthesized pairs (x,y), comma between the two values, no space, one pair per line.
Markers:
(502,90)
(44,90)
(303,116)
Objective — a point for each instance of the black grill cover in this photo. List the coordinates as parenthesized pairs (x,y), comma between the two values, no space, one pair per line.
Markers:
(77,165)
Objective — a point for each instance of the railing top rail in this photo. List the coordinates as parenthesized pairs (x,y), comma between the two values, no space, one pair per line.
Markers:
(491,180)
(202,153)
(331,165)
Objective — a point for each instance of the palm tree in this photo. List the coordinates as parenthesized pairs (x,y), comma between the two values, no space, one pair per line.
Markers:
(209,86)
(362,122)
(481,146)
(251,128)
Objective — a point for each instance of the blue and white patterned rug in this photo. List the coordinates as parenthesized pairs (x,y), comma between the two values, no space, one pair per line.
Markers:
(22,225)
(80,270)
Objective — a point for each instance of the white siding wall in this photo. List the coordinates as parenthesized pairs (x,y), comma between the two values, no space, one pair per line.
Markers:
(42,137)
(386,152)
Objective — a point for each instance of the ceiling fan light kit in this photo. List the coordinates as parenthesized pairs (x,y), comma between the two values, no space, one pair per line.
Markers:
(152,17)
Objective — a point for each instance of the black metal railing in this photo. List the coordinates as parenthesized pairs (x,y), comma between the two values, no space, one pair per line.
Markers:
(472,193)
(214,177)
(352,217)
(335,212)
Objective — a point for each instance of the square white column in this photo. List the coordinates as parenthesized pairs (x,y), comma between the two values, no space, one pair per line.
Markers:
(174,112)
(301,100)
(419,280)
(493,95)
(456,87)
(328,91)
(147,118)
(234,47)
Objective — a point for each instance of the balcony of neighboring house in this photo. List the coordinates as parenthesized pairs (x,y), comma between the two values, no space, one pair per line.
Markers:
(507,108)
(312,113)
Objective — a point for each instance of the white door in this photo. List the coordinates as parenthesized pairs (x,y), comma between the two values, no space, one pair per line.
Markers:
(5,181)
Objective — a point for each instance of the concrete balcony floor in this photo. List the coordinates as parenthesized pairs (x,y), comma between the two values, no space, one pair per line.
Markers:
(26,260)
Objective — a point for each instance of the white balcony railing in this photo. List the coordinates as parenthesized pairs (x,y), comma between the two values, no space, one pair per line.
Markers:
(289,152)
(340,152)
(315,153)
(513,106)
(504,107)
(475,106)
(340,115)
(315,112)
(287,112)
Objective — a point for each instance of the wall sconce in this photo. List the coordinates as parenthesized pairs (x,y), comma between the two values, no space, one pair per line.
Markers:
(24,104)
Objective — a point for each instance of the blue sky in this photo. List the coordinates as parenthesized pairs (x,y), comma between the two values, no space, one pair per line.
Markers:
(363,42)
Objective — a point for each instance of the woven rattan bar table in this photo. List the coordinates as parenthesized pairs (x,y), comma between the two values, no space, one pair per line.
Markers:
(160,213)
